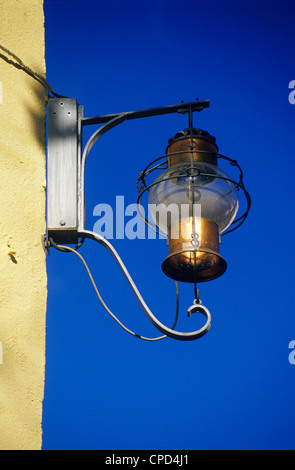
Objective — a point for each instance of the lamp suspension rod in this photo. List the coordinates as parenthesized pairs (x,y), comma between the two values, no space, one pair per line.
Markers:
(192,183)
(174,108)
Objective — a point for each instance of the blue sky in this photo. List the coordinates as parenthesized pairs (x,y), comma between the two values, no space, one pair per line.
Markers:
(234,387)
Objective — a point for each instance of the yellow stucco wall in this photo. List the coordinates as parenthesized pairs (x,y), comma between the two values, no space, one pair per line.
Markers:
(23,282)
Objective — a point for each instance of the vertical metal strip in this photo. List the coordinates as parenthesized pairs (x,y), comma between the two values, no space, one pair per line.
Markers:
(62,169)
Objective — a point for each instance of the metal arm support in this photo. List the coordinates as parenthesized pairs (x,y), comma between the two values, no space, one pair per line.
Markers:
(159,111)
(112,120)
(160,326)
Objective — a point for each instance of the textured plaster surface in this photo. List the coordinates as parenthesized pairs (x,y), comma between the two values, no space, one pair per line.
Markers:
(23,282)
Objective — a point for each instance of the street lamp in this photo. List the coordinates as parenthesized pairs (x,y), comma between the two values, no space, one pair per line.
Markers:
(192,202)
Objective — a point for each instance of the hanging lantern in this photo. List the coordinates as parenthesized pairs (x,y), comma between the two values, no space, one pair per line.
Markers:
(192,202)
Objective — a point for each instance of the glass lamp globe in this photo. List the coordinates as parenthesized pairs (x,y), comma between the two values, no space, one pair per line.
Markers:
(217,196)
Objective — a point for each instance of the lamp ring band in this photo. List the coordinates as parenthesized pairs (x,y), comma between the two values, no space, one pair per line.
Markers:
(192,171)
(193,144)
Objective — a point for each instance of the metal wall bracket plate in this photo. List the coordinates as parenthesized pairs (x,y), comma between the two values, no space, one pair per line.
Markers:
(62,170)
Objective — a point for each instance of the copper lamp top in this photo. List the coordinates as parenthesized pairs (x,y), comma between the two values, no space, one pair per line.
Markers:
(196,133)
(190,143)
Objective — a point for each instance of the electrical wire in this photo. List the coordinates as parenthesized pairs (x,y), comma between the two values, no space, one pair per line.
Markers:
(20,65)
(67,248)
